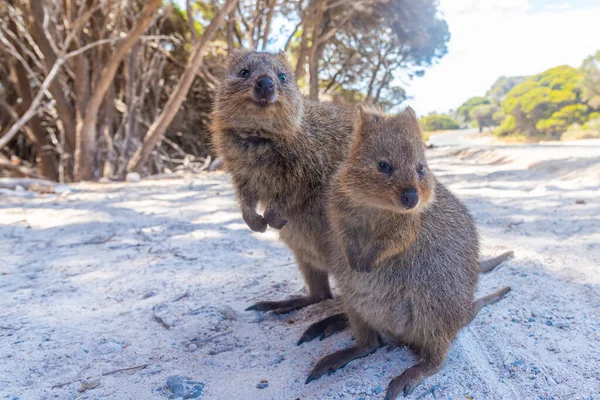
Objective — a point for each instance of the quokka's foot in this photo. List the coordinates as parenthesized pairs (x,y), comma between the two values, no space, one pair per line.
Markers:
(284,306)
(334,361)
(325,328)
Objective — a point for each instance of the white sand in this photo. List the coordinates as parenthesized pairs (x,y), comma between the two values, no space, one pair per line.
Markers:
(81,274)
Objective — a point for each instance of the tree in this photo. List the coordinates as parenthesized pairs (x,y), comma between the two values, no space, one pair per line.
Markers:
(464,112)
(438,122)
(531,105)
(591,80)
(502,86)
(157,129)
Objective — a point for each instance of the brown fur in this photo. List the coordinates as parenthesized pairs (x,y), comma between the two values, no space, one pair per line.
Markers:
(423,261)
(282,157)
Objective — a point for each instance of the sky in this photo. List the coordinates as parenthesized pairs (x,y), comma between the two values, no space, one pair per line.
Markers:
(491,38)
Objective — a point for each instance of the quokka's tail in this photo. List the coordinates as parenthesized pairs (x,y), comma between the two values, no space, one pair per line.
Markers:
(492,263)
(489,299)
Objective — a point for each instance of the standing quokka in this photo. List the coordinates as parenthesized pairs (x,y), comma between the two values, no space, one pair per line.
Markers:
(281,151)
(407,264)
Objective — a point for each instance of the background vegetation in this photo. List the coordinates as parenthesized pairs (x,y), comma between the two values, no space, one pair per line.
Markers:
(95,89)
(562,102)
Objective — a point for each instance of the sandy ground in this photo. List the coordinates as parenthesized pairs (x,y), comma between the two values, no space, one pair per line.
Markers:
(137,291)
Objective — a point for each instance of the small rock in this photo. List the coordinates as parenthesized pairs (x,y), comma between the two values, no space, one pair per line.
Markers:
(579,201)
(562,325)
(149,293)
(133,177)
(151,371)
(276,360)
(229,313)
(252,317)
(89,384)
(549,323)
(263,384)
(110,347)
(531,319)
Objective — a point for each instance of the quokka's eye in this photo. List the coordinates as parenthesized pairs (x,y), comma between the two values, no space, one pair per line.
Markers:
(421,169)
(384,167)
(244,73)
(282,77)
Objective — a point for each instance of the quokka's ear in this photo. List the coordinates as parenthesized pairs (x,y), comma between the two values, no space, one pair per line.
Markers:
(367,120)
(282,56)
(409,112)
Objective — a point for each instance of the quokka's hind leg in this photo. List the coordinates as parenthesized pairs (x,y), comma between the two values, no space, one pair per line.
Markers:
(325,328)
(486,300)
(492,263)
(431,361)
(367,341)
(318,290)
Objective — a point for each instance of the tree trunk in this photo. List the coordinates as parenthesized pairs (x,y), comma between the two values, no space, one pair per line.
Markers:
(158,128)
(65,111)
(86,135)
(315,51)
(45,159)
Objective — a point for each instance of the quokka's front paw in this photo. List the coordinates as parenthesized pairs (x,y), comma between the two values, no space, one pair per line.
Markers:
(274,219)
(255,222)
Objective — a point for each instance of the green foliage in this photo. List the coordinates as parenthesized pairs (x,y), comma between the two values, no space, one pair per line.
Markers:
(464,111)
(507,126)
(502,86)
(591,76)
(534,102)
(560,120)
(438,122)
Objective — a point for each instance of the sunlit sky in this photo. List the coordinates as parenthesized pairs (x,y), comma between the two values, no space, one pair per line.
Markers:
(491,38)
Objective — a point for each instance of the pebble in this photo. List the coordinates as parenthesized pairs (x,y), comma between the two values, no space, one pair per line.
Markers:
(109,347)
(263,384)
(253,317)
(181,387)
(276,360)
(151,371)
(89,384)
(562,325)
(549,323)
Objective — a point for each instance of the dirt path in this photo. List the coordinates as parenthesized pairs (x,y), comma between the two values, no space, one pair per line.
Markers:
(156,276)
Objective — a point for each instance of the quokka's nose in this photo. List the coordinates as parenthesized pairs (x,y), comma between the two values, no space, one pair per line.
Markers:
(265,87)
(409,198)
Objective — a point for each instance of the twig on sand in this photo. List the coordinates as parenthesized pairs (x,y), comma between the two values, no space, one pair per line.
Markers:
(431,390)
(181,296)
(58,386)
(100,241)
(208,339)
(141,366)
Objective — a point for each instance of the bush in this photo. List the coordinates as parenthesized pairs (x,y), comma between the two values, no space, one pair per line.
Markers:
(534,103)
(438,122)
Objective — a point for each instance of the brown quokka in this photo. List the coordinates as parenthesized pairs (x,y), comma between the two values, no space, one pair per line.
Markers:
(282,151)
(407,261)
